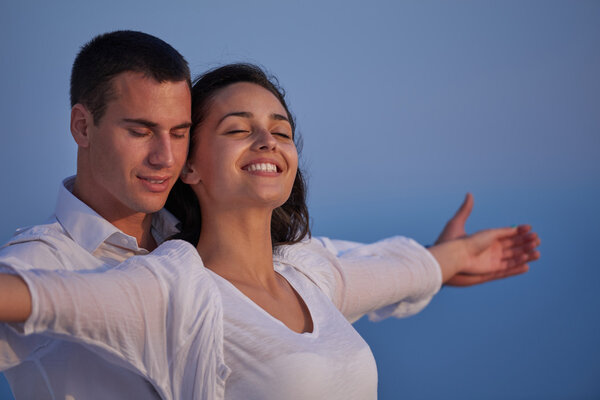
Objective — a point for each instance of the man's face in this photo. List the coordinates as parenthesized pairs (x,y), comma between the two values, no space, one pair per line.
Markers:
(138,148)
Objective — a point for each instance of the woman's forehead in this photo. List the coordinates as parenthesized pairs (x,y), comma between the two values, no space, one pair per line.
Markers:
(246,96)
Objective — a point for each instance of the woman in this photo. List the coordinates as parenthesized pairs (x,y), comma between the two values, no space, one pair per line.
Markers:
(256,309)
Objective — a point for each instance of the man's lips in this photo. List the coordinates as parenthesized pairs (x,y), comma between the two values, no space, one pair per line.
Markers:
(155,183)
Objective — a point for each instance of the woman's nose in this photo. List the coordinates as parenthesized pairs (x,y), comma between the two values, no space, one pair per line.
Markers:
(264,140)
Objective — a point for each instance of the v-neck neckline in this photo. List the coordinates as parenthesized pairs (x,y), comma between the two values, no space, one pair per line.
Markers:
(282,274)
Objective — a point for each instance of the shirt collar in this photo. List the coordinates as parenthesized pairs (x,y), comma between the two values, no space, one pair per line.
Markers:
(88,229)
(164,225)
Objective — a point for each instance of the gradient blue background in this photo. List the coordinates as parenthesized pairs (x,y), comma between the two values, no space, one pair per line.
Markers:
(404,107)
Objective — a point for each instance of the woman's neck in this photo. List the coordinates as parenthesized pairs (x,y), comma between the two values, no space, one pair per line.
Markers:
(236,244)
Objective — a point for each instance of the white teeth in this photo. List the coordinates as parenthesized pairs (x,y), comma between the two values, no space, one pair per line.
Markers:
(262,167)
(155,181)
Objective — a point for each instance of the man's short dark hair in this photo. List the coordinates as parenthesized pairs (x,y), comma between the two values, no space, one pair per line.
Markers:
(110,54)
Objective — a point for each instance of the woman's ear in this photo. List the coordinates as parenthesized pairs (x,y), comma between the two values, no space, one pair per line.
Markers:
(189,174)
(81,120)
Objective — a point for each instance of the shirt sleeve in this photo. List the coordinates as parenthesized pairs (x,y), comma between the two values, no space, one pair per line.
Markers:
(14,348)
(395,277)
(124,314)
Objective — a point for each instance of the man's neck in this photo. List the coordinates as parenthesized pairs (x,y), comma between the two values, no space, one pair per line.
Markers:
(136,224)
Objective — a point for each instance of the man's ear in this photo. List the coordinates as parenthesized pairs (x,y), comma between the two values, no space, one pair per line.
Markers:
(189,174)
(81,120)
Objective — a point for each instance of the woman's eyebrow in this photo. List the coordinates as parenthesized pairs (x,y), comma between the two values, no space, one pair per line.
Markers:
(279,117)
(243,114)
(247,114)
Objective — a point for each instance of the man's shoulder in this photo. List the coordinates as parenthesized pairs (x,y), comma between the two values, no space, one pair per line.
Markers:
(49,232)
(46,242)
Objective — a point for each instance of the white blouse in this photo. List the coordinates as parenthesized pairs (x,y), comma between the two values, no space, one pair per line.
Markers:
(161,315)
(268,361)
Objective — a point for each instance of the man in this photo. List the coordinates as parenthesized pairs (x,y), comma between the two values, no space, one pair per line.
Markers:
(130,117)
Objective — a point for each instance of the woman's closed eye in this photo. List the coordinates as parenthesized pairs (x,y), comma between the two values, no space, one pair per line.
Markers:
(283,135)
(236,131)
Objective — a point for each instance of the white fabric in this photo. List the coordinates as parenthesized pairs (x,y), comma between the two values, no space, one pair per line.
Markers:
(268,361)
(161,315)
(124,317)
(74,238)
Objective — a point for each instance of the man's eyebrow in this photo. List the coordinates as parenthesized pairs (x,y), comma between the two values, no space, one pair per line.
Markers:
(185,125)
(150,124)
(140,121)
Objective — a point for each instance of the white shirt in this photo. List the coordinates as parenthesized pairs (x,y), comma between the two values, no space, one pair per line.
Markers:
(74,238)
(269,361)
(161,315)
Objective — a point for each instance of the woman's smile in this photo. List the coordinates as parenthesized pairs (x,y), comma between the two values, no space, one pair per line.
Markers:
(263,168)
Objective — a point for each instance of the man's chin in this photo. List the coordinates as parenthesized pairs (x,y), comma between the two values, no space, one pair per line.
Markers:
(150,207)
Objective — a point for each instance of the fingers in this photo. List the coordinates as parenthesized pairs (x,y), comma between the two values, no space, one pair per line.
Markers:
(521,238)
(515,247)
(518,234)
(462,214)
(455,227)
(520,259)
(462,280)
(520,249)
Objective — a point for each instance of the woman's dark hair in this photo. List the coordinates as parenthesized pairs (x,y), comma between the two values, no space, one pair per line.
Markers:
(290,222)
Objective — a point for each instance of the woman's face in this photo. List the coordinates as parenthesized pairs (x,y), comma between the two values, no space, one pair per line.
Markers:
(244,153)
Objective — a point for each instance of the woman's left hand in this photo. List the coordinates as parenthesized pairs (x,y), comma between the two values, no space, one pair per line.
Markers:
(497,251)
(486,255)
(518,241)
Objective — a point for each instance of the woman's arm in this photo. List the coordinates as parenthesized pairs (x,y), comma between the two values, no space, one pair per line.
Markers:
(392,277)
(398,277)
(15,299)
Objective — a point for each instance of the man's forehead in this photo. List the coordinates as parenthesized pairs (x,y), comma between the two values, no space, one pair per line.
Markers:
(133,80)
(134,95)
(136,87)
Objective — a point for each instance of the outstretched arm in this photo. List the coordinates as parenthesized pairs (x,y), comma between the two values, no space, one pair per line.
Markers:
(455,229)
(15,299)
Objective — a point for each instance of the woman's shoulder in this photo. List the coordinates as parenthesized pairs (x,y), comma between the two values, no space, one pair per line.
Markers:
(311,258)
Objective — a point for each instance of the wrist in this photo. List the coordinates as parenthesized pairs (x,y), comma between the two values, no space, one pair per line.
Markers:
(449,256)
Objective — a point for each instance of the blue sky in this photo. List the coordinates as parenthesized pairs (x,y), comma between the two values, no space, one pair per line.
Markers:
(403,106)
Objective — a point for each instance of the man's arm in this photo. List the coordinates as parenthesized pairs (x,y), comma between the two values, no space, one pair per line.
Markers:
(15,299)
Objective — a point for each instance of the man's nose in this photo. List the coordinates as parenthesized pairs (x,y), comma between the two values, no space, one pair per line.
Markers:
(161,152)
